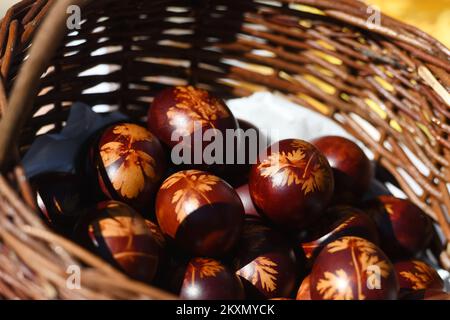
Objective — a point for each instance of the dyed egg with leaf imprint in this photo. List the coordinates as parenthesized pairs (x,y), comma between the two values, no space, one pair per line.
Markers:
(265,261)
(118,234)
(183,114)
(352,170)
(129,164)
(304,292)
(200,212)
(414,275)
(352,268)
(291,184)
(337,222)
(209,279)
(60,198)
(405,230)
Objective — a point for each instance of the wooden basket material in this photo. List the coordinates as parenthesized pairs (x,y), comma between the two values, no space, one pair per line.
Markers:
(323,54)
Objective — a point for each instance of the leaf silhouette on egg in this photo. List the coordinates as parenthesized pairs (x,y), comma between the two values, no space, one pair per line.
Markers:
(338,245)
(209,267)
(185,203)
(133,132)
(316,178)
(345,224)
(299,144)
(364,246)
(369,258)
(335,286)
(129,178)
(121,227)
(420,277)
(368,262)
(126,227)
(111,152)
(282,167)
(365,267)
(198,106)
(265,273)
(204,267)
(196,184)
(173,179)
(286,168)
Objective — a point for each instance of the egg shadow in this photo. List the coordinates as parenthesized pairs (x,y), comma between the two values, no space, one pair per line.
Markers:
(211,236)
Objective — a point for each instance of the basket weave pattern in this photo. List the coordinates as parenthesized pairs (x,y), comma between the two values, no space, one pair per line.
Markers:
(323,54)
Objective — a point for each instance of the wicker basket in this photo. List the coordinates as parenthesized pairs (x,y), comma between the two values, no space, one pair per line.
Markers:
(324,54)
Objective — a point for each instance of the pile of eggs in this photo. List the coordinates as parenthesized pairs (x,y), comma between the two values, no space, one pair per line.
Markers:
(292,225)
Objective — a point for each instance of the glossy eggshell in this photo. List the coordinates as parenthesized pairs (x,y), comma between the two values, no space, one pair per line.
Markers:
(304,292)
(291,184)
(337,222)
(118,234)
(376,189)
(353,268)
(209,279)
(157,234)
(244,194)
(184,112)
(200,212)
(129,163)
(60,198)
(414,275)
(352,170)
(405,230)
(266,261)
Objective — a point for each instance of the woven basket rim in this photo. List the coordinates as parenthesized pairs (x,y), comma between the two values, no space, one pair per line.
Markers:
(16,108)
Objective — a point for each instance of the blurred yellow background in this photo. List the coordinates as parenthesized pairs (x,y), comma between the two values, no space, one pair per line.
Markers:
(432,16)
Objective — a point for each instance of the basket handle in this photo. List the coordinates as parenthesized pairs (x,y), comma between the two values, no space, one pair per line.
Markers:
(26,86)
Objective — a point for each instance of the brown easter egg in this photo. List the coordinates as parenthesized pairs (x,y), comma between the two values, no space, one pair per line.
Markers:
(405,230)
(352,268)
(200,212)
(352,169)
(181,116)
(208,279)
(291,184)
(118,234)
(130,164)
